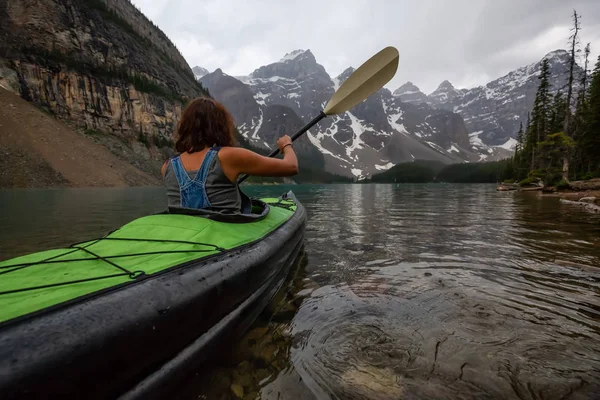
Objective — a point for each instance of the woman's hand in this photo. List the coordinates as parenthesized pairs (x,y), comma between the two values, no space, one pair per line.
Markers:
(282,142)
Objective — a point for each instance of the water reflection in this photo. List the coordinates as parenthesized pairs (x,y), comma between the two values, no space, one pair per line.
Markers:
(41,219)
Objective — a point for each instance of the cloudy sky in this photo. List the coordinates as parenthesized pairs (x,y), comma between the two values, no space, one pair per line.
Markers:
(468,42)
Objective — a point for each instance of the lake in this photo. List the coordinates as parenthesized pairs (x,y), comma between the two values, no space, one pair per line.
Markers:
(429,291)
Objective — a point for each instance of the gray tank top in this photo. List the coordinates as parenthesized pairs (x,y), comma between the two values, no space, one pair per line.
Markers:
(223,195)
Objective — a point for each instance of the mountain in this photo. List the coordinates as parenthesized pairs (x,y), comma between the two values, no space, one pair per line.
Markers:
(444,94)
(373,136)
(199,72)
(409,93)
(493,112)
(101,66)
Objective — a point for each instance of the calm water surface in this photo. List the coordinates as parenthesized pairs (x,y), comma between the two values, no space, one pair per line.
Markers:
(409,291)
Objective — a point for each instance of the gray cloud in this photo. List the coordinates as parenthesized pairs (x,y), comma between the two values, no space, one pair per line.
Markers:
(465,41)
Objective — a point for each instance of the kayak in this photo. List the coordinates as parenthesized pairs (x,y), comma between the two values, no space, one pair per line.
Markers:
(126,315)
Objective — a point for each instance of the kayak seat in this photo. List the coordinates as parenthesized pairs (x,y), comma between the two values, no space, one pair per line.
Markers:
(259,210)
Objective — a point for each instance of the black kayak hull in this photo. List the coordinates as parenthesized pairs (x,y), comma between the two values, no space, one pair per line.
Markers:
(137,341)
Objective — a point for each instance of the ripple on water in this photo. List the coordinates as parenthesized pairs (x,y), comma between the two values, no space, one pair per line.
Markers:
(434,331)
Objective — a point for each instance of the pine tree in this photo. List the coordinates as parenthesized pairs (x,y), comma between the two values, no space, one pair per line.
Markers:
(557,113)
(528,146)
(540,124)
(520,164)
(555,148)
(584,77)
(520,139)
(578,122)
(574,42)
(581,96)
(590,140)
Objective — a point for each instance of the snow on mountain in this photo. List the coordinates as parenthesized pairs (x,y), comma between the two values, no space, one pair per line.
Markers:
(199,72)
(490,153)
(410,93)
(476,142)
(444,93)
(453,148)
(384,167)
(292,56)
(509,145)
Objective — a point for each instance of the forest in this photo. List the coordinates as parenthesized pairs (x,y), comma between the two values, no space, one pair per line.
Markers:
(561,140)
(427,171)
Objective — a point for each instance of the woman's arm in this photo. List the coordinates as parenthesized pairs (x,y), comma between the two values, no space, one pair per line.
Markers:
(236,161)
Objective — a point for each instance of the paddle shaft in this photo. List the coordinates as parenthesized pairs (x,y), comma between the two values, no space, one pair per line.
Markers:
(294,137)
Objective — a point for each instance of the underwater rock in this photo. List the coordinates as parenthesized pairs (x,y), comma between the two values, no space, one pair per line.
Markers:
(237,390)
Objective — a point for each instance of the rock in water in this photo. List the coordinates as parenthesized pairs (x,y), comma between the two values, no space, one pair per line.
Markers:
(592,184)
(504,187)
(587,206)
(237,390)
(372,383)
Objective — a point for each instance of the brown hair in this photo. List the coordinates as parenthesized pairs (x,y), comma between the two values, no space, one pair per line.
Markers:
(204,122)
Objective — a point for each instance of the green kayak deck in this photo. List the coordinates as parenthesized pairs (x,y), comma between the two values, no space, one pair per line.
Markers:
(145,246)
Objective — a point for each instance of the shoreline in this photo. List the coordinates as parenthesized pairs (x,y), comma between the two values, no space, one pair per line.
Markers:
(585,194)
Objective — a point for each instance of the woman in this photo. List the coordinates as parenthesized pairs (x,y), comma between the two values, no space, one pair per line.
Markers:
(204,174)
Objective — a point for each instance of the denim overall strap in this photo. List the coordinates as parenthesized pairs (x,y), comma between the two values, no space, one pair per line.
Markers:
(192,191)
(182,177)
(203,172)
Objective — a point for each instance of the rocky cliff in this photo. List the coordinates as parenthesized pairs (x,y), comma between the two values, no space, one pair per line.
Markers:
(102,66)
(37,150)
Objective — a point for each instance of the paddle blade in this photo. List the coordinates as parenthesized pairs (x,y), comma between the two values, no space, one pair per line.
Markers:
(366,80)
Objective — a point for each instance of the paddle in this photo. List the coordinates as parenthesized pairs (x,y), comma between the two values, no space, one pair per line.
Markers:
(366,80)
